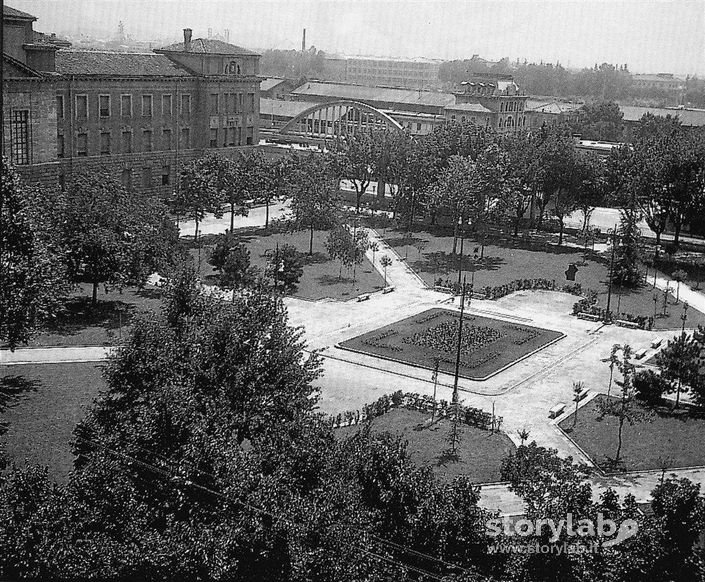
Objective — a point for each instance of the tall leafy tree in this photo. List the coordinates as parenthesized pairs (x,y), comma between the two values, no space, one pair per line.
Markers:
(600,121)
(108,230)
(358,155)
(201,187)
(313,188)
(560,176)
(32,269)
(679,363)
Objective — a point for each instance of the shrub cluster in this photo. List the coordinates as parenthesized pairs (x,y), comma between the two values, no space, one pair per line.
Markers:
(469,415)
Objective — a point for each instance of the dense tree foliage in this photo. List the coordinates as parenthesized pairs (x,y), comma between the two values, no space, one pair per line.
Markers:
(313,187)
(113,235)
(33,278)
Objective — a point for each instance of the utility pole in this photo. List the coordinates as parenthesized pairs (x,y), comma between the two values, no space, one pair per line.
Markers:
(460,338)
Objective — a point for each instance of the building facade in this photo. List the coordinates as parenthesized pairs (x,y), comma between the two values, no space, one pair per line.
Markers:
(139,116)
(496,100)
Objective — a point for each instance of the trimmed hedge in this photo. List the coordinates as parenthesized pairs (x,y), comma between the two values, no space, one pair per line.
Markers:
(470,416)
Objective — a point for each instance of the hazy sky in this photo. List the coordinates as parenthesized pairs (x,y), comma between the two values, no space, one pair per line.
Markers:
(648,35)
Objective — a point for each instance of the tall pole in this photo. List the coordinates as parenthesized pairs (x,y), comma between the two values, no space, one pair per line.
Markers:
(460,338)
(609,285)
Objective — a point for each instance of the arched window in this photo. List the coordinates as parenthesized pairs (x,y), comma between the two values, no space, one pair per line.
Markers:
(234,68)
(501,107)
(501,122)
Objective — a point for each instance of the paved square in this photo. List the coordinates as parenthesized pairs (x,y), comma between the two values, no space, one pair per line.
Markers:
(488,345)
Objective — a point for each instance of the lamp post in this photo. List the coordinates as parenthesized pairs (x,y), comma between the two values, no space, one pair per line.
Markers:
(460,339)
(613,233)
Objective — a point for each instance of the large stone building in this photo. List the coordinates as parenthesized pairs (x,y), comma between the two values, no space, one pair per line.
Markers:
(389,72)
(495,101)
(139,116)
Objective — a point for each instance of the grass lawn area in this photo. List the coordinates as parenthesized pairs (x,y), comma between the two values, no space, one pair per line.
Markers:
(321,277)
(488,345)
(40,404)
(81,324)
(480,452)
(508,259)
(675,439)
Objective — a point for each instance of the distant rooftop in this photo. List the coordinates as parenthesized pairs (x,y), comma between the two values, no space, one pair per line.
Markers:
(689,117)
(471,107)
(270,82)
(87,62)
(550,106)
(9,12)
(208,46)
(380,94)
(283,108)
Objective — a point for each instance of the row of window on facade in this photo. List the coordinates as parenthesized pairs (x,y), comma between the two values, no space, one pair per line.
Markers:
(126,144)
(231,103)
(511,106)
(231,136)
(511,122)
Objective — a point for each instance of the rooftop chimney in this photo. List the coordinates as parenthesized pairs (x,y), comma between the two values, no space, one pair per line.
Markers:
(187,39)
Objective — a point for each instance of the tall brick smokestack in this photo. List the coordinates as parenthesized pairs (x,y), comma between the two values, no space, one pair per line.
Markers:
(303,42)
(187,39)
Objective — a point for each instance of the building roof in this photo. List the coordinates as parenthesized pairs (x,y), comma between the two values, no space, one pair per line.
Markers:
(380,94)
(689,117)
(550,106)
(108,63)
(283,108)
(8,12)
(208,46)
(270,82)
(471,107)
(49,39)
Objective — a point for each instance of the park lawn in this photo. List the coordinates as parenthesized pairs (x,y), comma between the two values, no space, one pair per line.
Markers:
(321,277)
(480,452)
(81,324)
(506,260)
(488,345)
(45,403)
(674,438)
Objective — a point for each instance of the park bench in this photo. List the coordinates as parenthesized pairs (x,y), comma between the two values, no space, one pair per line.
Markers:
(629,324)
(589,316)
(582,394)
(557,410)
(442,289)
(480,296)
(656,343)
(387,290)
(640,354)
(364,297)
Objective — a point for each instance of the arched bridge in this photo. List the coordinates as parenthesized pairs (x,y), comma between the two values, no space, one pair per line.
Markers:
(337,119)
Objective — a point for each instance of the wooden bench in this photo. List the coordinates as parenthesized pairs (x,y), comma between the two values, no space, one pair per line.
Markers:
(387,290)
(589,316)
(364,297)
(640,354)
(479,296)
(582,394)
(629,324)
(557,410)
(656,343)
(442,289)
